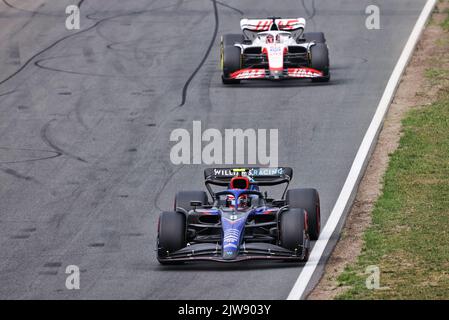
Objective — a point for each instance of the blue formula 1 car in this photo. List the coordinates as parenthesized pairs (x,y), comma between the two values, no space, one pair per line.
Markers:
(240,222)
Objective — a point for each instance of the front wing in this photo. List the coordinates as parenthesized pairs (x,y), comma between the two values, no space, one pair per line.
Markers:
(251,251)
(288,73)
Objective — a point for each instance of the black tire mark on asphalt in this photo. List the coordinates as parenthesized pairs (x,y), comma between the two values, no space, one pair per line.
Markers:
(170,176)
(18,175)
(63,247)
(38,63)
(310,14)
(78,112)
(206,55)
(53,265)
(20,236)
(6,93)
(34,12)
(46,138)
(98,22)
(231,7)
(22,67)
(55,155)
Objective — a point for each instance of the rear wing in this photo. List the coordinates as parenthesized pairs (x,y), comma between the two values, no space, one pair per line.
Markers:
(261,176)
(259,25)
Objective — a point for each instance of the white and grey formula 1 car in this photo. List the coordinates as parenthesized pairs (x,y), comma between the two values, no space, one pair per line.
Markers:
(274,49)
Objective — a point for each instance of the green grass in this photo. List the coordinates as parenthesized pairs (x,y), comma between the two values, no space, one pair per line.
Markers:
(409,236)
(435,75)
(445,24)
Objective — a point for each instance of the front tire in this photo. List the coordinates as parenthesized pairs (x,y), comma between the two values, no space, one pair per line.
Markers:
(231,61)
(171,235)
(292,233)
(319,60)
(231,39)
(309,200)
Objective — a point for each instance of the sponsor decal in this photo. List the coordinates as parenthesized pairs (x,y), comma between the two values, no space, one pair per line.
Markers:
(304,73)
(256,25)
(248,74)
(260,73)
(231,236)
(292,24)
(251,172)
(266,24)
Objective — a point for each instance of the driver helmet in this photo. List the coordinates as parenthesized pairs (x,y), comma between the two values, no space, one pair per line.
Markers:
(244,201)
(270,38)
(230,201)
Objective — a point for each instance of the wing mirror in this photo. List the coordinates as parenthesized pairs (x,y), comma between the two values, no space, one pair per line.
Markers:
(196,204)
(279,203)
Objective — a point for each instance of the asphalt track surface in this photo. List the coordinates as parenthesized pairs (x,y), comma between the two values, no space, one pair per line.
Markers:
(85,120)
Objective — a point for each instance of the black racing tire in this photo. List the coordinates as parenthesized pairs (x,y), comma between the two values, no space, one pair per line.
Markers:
(231,39)
(183,198)
(319,60)
(171,235)
(307,199)
(292,233)
(318,37)
(231,61)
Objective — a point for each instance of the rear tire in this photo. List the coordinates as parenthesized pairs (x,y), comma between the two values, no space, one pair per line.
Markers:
(319,60)
(231,61)
(309,200)
(171,235)
(318,37)
(231,39)
(292,233)
(183,198)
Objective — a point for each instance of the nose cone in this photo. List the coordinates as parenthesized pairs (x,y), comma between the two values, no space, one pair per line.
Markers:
(231,243)
(230,254)
(233,229)
(275,74)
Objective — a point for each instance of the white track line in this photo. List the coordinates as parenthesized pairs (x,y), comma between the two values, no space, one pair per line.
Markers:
(362,156)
